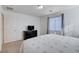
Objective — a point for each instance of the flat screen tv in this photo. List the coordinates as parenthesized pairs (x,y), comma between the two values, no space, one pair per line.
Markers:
(30,27)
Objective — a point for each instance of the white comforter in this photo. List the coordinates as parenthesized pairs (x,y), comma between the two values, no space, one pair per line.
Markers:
(50,44)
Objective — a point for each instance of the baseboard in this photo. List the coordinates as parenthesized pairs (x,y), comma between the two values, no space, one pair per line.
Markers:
(12,41)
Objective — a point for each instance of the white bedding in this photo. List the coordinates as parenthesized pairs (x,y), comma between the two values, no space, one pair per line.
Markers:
(50,44)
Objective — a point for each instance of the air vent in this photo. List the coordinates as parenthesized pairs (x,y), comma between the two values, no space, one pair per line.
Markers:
(50,11)
(9,8)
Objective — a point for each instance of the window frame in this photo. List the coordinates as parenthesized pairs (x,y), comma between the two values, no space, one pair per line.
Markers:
(62,26)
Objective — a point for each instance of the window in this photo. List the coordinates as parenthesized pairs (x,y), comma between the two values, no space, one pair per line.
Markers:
(55,24)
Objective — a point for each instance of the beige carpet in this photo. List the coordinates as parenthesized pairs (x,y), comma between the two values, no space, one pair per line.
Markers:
(12,47)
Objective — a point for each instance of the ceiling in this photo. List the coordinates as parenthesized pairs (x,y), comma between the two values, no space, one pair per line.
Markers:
(31,9)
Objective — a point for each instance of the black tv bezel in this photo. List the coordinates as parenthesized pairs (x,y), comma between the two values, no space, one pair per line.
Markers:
(30,27)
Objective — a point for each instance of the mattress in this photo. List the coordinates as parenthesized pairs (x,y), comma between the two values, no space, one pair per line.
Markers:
(50,43)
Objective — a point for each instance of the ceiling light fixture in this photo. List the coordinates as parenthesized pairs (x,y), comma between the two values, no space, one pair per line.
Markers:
(39,7)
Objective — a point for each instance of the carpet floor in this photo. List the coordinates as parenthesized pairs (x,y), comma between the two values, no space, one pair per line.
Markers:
(12,47)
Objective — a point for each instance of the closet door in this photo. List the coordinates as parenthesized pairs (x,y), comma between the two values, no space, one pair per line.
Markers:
(10,33)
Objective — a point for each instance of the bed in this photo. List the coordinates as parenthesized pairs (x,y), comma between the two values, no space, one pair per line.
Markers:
(50,43)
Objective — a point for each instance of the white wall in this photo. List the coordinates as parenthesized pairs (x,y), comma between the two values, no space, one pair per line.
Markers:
(43,25)
(15,24)
(71,22)
(1,29)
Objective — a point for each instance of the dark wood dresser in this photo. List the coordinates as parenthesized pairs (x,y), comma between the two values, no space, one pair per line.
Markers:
(29,34)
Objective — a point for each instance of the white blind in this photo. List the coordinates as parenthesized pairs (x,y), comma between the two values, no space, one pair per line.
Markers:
(55,23)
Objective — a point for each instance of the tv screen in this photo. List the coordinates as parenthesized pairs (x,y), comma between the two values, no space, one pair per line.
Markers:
(30,27)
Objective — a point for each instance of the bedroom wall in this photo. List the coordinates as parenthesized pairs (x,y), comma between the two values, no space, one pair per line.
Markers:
(43,25)
(1,29)
(71,21)
(16,23)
